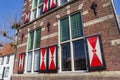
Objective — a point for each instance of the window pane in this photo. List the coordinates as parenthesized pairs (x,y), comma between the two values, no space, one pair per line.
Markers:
(29,62)
(35,3)
(36,60)
(6,72)
(76,25)
(63,1)
(40,10)
(38,38)
(66,57)
(79,55)
(31,39)
(8,58)
(64,29)
(34,14)
(40,1)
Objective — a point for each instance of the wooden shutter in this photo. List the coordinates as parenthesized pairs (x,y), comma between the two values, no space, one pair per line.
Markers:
(45,5)
(27,17)
(52,59)
(95,53)
(21,63)
(43,60)
(53,3)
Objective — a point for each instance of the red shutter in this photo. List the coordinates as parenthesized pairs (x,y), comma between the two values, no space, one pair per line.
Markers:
(53,3)
(27,16)
(43,59)
(95,53)
(52,65)
(45,5)
(21,63)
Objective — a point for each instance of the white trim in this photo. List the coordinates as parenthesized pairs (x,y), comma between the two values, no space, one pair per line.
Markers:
(68,7)
(98,20)
(80,6)
(21,45)
(49,36)
(115,42)
(85,12)
(55,24)
(59,49)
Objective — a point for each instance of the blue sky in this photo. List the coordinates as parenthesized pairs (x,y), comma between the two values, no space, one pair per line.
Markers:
(117,6)
(9,8)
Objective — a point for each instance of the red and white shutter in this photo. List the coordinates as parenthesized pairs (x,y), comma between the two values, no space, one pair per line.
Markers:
(52,58)
(95,53)
(53,3)
(45,5)
(43,59)
(27,16)
(21,63)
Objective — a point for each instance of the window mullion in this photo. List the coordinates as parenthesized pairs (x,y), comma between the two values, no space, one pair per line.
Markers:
(27,54)
(37,14)
(33,52)
(59,50)
(71,45)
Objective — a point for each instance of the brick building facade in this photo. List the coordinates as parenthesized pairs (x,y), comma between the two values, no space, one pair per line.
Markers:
(67,39)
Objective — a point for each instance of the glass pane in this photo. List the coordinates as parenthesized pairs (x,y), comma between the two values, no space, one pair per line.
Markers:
(79,55)
(38,38)
(63,1)
(64,29)
(40,1)
(8,58)
(40,10)
(76,25)
(36,60)
(31,39)
(66,57)
(35,3)
(29,62)
(6,72)
(34,14)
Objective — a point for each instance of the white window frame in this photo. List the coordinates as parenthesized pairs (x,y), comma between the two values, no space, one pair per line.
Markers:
(37,10)
(33,52)
(71,47)
(6,74)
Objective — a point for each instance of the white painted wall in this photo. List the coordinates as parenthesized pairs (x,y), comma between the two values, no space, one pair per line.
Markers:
(10,65)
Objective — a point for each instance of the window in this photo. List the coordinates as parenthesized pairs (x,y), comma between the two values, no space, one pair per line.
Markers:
(8,58)
(1,60)
(33,56)
(6,72)
(72,43)
(37,8)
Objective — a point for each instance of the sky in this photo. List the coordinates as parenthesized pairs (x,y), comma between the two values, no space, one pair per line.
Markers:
(10,8)
(117,6)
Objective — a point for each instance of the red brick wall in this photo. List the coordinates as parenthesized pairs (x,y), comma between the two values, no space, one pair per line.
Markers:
(107,28)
